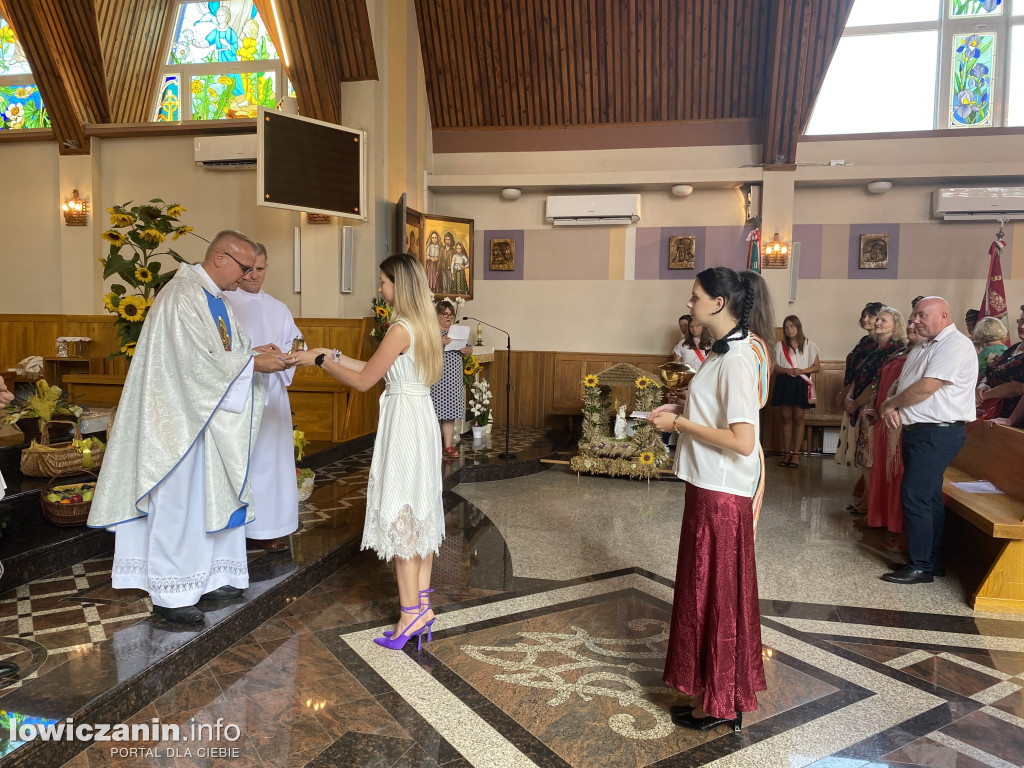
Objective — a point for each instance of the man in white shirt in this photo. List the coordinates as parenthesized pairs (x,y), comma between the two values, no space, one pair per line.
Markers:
(934,400)
(275,493)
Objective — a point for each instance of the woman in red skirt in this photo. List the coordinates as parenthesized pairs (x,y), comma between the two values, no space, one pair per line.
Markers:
(884,507)
(714,649)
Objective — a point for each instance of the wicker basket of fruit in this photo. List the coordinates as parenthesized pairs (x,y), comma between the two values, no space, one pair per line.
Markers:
(68,504)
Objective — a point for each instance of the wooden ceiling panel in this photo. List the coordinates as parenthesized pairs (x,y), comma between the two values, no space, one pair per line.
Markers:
(805,35)
(496,63)
(132,34)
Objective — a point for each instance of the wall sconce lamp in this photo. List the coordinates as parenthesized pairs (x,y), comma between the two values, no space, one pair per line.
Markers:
(511,193)
(75,210)
(776,254)
(879,187)
(681,190)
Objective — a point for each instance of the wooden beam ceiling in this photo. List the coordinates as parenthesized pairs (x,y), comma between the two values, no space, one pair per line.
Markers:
(132,34)
(328,42)
(553,63)
(805,34)
(497,63)
(61,45)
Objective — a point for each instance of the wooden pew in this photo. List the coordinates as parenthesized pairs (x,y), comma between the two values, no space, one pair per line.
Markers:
(994,454)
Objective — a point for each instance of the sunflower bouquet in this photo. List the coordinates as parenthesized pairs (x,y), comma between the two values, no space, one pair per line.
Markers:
(470,368)
(381,318)
(136,236)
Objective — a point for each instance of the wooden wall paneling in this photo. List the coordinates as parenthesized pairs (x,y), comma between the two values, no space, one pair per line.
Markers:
(361,408)
(25,335)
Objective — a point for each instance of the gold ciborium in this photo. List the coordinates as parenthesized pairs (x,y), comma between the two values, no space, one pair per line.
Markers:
(676,377)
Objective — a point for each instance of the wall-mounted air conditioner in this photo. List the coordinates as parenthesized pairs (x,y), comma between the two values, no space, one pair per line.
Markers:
(979,203)
(599,210)
(225,153)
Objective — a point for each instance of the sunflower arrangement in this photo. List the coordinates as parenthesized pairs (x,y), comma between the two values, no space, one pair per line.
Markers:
(136,236)
(638,457)
(381,318)
(470,368)
(595,409)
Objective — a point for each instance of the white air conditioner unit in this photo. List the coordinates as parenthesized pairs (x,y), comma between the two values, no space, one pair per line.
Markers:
(590,210)
(225,153)
(979,203)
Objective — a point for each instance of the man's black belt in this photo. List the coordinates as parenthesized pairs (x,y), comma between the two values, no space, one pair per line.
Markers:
(932,425)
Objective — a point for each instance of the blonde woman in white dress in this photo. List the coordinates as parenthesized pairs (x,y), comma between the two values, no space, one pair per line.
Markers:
(404,516)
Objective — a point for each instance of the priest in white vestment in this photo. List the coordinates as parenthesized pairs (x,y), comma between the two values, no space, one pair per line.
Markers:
(175,482)
(275,493)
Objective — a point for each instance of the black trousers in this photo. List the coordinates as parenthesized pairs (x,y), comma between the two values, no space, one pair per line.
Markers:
(927,450)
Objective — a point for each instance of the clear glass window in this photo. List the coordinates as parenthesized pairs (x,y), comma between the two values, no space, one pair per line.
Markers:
(878,83)
(1015,102)
(877,12)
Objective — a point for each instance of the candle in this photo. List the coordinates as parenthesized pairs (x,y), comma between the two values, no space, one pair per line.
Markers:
(479,334)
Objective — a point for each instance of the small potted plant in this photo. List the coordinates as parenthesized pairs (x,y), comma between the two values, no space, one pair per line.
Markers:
(480,407)
(304,477)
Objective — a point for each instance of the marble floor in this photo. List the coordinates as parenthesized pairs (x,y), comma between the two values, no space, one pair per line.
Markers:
(553,594)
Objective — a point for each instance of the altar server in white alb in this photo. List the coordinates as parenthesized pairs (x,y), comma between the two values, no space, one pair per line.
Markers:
(175,484)
(275,494)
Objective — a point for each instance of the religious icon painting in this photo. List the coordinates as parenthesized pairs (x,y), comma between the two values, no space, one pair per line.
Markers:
(448,256)
(681,251)
(874,251)
(502,256)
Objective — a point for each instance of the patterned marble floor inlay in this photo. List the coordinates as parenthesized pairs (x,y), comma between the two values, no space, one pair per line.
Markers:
(553,597)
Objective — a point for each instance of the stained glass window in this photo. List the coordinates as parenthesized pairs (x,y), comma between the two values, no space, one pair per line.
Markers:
(971,81)
(967,8)
(12,58)
(218,96)
(221,64)
(206,33)
(169,108)
(21,106)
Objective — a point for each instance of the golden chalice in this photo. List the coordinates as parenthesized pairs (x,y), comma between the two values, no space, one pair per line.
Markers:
(677,377)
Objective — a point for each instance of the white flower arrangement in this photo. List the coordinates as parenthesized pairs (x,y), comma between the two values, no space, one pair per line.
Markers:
(480,402)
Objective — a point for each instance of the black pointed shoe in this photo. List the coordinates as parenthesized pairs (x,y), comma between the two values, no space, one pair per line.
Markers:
(908,574)
(187,614)
(8,668)
(709,722)
(940,571)
(680,709)
(227,592)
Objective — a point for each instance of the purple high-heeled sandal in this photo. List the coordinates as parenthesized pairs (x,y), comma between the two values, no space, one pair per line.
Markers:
(397,642)
(424,593)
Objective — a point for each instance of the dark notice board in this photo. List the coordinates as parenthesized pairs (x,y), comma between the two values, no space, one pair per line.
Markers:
(310,165)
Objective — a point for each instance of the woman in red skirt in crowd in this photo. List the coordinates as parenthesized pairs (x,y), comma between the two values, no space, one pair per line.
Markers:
(884,507)
(714,648)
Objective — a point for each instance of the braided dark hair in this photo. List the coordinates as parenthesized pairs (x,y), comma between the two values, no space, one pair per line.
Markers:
(722,282)
(746,292)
